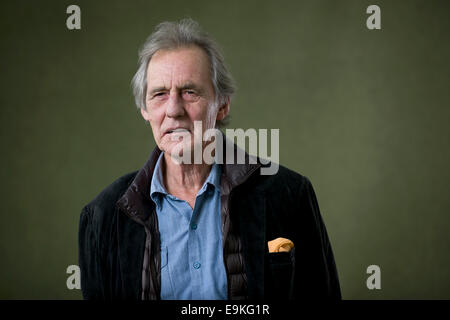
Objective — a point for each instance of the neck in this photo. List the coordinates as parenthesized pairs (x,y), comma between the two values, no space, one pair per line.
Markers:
(184,178)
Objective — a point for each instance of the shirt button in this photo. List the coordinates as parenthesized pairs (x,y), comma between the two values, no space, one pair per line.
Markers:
(197,265)
(194,226)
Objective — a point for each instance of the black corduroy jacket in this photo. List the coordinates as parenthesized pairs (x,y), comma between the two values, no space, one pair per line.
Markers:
(119,249)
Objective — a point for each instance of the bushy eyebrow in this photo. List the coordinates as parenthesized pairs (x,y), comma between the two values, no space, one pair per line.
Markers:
(155,90)
(191,86)
(186,86)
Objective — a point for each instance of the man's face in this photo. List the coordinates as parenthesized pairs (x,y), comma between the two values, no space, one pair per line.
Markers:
(179,92)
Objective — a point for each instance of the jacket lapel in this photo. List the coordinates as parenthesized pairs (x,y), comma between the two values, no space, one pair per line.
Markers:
(250,216)
(139,237)
(252,224)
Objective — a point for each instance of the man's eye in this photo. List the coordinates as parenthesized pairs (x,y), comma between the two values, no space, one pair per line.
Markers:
(159,94)
(190,93)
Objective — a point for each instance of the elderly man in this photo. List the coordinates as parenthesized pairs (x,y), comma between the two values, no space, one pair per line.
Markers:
(195,229)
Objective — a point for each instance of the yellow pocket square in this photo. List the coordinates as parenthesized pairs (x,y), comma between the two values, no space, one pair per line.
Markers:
(280,245)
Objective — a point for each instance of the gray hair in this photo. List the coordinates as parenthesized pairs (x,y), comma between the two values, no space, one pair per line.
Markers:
(172,35)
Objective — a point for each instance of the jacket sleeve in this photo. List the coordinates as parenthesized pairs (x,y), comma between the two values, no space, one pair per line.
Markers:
(89,257)
(323,253)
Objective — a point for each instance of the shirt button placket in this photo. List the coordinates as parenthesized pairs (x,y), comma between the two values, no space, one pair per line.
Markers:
(195,257)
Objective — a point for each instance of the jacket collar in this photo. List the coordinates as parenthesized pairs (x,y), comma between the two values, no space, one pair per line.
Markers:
(136,201)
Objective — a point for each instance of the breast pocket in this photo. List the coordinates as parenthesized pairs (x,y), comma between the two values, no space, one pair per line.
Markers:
(280,268)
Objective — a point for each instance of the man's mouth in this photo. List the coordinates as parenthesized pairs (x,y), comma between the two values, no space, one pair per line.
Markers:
(178,130)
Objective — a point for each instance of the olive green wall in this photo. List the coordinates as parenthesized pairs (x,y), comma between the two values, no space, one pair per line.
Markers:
(364,114)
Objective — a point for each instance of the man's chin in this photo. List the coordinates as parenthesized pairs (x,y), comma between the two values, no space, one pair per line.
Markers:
(180,153)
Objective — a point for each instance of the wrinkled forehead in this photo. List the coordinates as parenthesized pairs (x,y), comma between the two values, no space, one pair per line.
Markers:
(176,67)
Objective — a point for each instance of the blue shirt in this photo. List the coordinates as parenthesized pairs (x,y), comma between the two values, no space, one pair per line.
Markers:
(192,265)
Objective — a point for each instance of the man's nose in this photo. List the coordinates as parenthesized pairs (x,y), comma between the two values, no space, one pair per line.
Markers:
(174,107)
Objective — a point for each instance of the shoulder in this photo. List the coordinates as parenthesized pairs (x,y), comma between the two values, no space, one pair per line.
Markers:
(284,180)
(105,201)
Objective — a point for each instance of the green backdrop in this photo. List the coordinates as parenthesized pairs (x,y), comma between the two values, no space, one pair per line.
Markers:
(363,113)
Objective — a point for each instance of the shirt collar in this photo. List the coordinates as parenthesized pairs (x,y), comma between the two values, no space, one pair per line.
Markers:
(214,177)
(157,184)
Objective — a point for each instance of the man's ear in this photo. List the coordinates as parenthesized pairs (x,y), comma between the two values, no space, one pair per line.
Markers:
(223,110)
(145,114)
